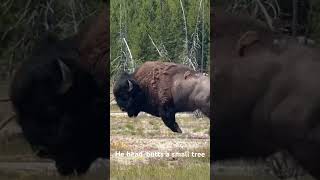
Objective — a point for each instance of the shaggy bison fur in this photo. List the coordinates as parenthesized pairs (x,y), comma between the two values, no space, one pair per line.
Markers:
(59,98)
(163,89)
(267,99)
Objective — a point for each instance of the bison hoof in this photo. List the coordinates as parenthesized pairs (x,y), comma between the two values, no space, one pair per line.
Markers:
(176,128)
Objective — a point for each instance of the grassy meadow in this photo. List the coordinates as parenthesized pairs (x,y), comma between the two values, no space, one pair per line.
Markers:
(147,134)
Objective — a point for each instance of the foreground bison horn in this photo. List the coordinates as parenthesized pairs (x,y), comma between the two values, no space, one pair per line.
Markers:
(130,86)
(66,77)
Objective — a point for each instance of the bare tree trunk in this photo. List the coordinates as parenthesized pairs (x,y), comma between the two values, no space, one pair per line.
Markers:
(130,56)
(185,28)
(4,123)
(202,40)
(266,15)
(160,54)
(294,16)
(73,14)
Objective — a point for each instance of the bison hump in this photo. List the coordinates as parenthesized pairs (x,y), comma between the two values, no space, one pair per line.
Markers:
(156,79)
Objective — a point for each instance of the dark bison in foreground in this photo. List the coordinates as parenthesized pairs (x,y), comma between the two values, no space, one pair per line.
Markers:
(267,99)
(60,102)
(163,89)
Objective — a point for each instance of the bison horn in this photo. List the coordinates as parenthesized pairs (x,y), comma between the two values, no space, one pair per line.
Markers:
(66,77)
(130,86)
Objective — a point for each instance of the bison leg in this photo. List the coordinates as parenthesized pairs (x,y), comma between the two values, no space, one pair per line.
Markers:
(229,142)
(290,120)
(294,127)
(168,117)
(172,125)
(307,154)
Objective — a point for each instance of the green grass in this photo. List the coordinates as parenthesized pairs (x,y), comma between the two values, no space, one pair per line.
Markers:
(21,175)
(197,129)
(129,127)
(160,171)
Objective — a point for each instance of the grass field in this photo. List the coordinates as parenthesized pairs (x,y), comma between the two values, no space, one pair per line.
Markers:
(161,170)
(148,136)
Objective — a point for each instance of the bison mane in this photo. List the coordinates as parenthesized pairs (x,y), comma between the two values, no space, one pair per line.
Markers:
(155,77)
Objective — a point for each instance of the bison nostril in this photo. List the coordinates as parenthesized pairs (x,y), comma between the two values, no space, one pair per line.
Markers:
(122,109)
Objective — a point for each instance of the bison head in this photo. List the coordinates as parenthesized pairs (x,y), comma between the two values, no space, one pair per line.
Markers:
(41,80)
(60,108)
(128,94)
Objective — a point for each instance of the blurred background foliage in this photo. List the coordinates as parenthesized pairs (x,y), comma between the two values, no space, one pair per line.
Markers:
(314,20)
(23,23)
(168,30)
(293,17)
(141,30)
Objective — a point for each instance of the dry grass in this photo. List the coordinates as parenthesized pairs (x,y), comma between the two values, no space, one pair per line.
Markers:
(146,126)
(146,134)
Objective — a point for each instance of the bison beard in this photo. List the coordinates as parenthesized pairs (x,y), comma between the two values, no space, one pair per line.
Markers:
(266,100)
(60,100)
(163,89)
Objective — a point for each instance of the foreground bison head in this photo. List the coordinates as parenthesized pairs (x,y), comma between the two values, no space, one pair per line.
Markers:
(163,89)
(58,95)
(60,108)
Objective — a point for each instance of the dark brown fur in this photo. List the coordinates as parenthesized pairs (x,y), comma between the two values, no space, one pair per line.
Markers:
(156,79)
(70,125)
(267,100)
(163,89)
(94,47)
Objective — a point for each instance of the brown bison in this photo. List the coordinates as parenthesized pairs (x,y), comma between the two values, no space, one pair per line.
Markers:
(162,89)
(93,47)
(59,98)
(268,98)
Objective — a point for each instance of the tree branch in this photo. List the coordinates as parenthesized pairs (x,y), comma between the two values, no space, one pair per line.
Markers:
(155,46)
(7,121)
(266,15)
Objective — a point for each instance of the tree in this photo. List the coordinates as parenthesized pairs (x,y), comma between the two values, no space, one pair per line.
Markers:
(158,30)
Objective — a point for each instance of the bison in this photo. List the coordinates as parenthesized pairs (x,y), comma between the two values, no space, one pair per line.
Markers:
(163,89)
(266,99)
(60,100)
(93,47)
